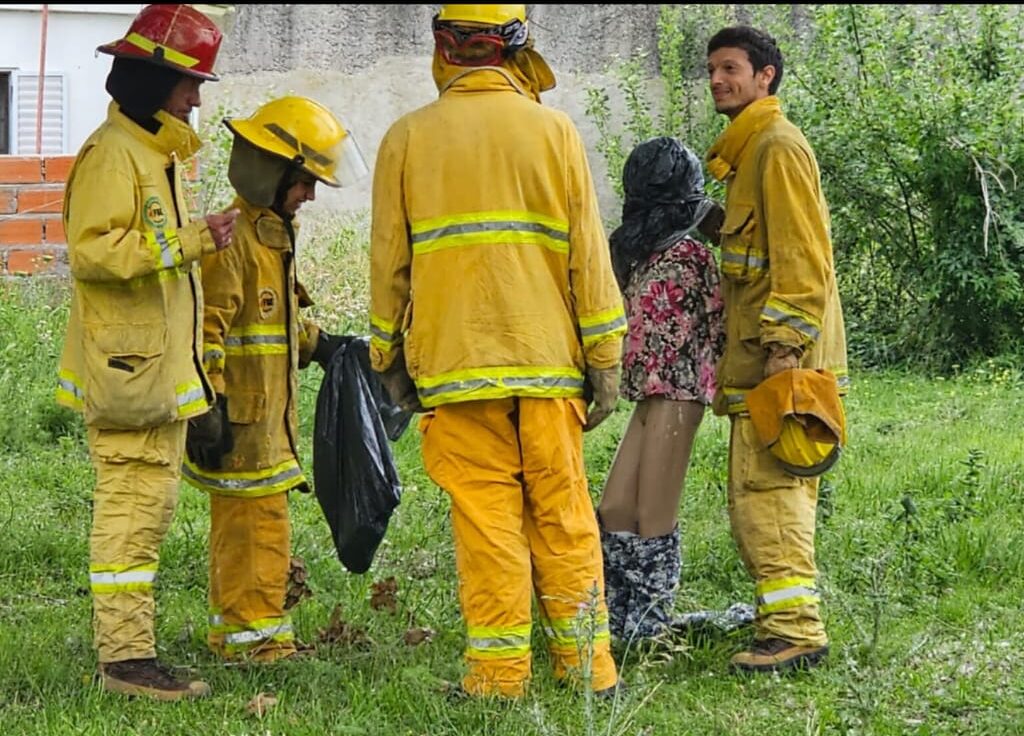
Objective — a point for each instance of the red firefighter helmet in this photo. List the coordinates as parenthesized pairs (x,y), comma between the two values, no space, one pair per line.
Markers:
(176,36)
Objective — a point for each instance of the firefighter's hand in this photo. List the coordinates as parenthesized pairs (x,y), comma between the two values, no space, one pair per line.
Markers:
(780,358)
(209,436)
(710,225)
(222,227)
(326,346)
(604,384)
(399,385)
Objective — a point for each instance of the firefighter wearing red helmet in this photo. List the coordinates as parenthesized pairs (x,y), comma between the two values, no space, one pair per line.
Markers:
(132,359)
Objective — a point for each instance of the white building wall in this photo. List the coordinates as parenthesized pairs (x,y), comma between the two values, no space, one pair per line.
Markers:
(72,35)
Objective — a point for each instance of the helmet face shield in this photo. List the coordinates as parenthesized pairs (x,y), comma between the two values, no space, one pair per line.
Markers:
(351,165)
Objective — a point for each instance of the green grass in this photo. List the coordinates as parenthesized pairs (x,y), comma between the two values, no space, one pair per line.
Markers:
(921,550)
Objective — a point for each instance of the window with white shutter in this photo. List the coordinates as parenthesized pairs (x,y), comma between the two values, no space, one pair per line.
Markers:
(54,140)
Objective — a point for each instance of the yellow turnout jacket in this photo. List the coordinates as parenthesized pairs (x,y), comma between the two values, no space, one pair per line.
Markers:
(254,344)
(132,350)
(489,263)
(779,282)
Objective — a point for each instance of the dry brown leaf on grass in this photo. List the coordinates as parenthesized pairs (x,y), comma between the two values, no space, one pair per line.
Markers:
(339,631)
(259,705)
(297,589)
(419,635)
(382,595)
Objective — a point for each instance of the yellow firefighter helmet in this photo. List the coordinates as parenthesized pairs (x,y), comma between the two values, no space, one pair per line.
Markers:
(485,15)
(306,133)
(799,454)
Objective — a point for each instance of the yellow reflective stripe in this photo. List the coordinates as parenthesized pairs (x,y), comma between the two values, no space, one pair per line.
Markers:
(172,55)
(566,632)
(166,248)
(600,326)
(190,397)
(778,311)
(498,382)
(107,579)
(496,642)
(257,340)
(784,593)
(213,359)
(735,399)
(383,332)
(69,389)
(268,481)
(241,636)
(504,227)
(842,380)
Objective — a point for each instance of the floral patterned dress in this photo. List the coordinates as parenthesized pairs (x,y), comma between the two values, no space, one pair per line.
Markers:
(676,326)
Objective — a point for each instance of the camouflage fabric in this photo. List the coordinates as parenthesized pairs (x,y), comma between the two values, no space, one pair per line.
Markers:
(641,578)
(617,551)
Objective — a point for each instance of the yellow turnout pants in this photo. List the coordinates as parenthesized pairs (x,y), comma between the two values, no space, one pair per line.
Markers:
(773,519)
(137,475)
(522,520)
(250,551)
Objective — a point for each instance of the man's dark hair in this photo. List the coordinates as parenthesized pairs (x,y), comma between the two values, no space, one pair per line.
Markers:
(760,47)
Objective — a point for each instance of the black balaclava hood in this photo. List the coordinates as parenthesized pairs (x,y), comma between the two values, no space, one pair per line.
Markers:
(664,200)
(141,88)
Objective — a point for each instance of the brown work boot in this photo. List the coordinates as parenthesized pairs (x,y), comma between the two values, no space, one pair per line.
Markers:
(777,655)
(149,678)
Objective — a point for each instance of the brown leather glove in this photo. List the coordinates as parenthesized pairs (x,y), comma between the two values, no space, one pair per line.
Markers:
(399,386)
(604,383)
(781,358)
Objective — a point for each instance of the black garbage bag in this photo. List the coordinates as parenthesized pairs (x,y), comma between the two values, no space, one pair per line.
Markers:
(354,474)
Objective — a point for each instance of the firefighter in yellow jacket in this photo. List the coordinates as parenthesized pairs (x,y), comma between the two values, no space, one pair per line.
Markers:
(782,312)
(131,359)
(493,301)
(244,453)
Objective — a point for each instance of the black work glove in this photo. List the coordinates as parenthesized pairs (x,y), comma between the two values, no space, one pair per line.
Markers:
(400,386)
(209,436)
(326,346)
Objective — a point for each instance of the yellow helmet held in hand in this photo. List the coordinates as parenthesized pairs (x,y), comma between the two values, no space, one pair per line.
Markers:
(799,454)
(799,417)
(306,133)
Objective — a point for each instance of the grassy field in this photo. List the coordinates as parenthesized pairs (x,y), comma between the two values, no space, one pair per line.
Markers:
(921,550)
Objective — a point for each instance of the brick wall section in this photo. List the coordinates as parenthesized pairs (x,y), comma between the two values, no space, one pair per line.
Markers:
(31,200)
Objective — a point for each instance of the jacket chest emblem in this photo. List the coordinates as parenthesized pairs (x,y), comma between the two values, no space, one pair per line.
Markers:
(268,302)
(154,214)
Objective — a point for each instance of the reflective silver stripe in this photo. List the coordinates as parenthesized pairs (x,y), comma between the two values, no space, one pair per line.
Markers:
(236,341)
(509,381)
(241,484)
(249,637)
(380,334)
(216,619)
(775,596)
(213,355)
(71,388)
(843,381)
(615,324)
(499,642)
(122,578)
(735,398)
(166,253)
(190,396)
(744,259)
(795,322)
(492,226)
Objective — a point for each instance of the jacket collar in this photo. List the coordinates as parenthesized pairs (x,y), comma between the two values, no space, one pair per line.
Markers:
(271,231)
(174,136)
(725,153)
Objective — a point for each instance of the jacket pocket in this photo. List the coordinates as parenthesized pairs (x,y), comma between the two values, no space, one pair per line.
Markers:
(246,407)
(126,385)
(742,262)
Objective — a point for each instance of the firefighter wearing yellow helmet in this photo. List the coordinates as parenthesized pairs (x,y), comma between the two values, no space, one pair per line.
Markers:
(783,314)
(493,301)
(244,453)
